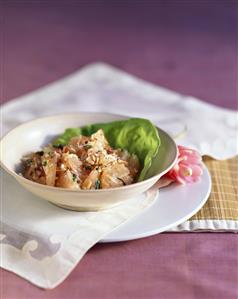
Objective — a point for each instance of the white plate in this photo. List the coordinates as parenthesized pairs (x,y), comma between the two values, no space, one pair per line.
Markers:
(174,205)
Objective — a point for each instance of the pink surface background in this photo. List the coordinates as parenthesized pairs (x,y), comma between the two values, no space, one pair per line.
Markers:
(188,46)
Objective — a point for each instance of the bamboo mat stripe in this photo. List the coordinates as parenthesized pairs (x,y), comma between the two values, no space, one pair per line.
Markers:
(223,200)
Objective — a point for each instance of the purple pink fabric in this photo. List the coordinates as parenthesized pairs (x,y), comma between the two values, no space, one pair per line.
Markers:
(188,46)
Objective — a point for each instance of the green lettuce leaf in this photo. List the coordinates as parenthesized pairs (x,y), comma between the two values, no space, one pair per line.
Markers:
(139,136)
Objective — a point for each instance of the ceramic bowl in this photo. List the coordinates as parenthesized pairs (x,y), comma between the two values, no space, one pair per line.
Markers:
(31,136)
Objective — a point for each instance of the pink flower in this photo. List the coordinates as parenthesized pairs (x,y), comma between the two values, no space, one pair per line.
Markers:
(188,167)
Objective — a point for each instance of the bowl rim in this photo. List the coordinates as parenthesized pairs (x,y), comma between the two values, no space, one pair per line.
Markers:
(53,188)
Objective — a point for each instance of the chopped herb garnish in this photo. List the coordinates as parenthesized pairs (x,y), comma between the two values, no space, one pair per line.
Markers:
(74,177)
(60,146)
(121,181)
(41,153)
(44,163)
(51,154)
(97,184)
(29,161)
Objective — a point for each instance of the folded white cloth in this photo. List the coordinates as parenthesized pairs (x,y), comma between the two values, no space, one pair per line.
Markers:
(46,242)
(43,243)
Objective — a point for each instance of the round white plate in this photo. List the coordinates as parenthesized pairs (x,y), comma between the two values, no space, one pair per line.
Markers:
(175,204)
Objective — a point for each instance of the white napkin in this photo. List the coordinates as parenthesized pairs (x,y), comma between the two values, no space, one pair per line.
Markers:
(43,243)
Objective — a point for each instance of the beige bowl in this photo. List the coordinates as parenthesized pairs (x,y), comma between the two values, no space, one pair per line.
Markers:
(31,136)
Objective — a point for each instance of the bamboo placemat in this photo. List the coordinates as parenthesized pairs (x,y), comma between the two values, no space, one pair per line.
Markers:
(223,200)
(220,213)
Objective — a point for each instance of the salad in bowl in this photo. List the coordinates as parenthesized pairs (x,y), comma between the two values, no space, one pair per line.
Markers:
(83,158)
(87,161)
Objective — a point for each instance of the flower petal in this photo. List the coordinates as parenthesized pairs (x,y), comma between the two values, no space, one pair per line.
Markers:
(197,170)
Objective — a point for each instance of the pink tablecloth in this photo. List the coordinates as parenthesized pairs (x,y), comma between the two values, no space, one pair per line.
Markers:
(191,48)
(185,266)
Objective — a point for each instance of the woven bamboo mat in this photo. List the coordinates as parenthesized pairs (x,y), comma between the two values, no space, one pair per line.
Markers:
(223,201)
